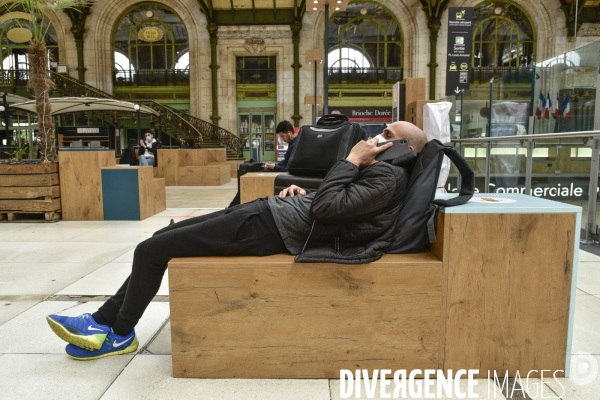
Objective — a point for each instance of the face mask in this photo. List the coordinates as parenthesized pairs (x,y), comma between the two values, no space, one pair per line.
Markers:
(381,138)
(148,139)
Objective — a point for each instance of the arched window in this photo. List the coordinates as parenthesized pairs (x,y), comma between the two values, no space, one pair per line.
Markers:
(503,37)
(365,45)
(150,43)
(122,65)
(15,34)
(183,62)
(348,57)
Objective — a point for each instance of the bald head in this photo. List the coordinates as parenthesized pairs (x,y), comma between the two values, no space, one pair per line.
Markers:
(405,130)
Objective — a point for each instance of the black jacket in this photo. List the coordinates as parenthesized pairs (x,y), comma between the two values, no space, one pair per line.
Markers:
(355,212)
(282,166)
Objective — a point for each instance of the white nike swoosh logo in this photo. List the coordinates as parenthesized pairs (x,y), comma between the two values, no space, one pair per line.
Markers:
(117,344)
(90,328)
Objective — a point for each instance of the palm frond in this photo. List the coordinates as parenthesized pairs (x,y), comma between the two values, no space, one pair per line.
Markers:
(41,5)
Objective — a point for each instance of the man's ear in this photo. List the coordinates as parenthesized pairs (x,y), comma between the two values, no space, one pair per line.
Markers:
(411,148)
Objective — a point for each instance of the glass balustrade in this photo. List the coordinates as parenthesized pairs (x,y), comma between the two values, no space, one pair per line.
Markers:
(536,136)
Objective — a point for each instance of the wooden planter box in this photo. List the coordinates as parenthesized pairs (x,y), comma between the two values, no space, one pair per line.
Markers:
(29,192)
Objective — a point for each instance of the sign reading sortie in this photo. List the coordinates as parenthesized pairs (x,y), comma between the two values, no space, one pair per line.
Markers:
(460,37)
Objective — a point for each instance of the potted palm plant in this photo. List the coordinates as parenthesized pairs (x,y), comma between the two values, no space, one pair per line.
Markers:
(28,188)
(39,81)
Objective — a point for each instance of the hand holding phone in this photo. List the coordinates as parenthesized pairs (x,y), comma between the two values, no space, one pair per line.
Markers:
(398,148)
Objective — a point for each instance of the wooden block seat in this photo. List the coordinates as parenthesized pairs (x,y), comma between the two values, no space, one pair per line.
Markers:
(269,317)
(233,165)
(132,193)
(208,175)
(255,185)
(194,167)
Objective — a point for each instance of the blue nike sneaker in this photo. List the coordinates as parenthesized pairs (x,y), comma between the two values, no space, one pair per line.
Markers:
(113,345)
(82,331)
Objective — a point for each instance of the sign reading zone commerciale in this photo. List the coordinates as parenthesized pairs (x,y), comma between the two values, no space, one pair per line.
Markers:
(460,38)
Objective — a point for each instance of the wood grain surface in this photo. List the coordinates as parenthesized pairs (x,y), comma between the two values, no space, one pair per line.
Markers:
(32,192)
(81,183)
(168,166)
(159,195)
(255,185)
(268,317)
(508,280)
(210,175)
(29,180)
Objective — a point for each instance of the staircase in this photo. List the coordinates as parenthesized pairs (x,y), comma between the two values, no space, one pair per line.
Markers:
(175,123)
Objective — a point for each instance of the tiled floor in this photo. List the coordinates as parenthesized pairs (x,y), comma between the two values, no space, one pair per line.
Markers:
(71,267)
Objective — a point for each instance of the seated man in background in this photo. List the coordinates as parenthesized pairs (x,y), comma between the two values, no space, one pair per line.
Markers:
(285,130)
(148,146)
(350,219)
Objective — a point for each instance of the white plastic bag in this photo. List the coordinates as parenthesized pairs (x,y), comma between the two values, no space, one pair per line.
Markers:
(436,125)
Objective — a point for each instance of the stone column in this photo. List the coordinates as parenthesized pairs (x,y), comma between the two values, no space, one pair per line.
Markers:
(296,27)
(78,17)
(212,32)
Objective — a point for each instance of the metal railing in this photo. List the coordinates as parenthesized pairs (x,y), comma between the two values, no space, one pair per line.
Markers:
(182,124)
(555,157)
(364,75)
(14,77)
(231,142)
(154,77)
(507,74)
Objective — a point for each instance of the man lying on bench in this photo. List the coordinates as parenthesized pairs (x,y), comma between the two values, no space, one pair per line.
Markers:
(349,219)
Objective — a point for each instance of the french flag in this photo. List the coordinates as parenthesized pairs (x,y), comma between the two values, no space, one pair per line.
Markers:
(566,109)
(556,111)
(541,106)
(547,111)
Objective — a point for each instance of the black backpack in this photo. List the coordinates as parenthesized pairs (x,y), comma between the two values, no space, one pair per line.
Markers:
(415,226)
(318,147)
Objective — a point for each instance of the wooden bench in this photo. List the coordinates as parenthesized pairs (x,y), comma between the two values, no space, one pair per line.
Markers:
(194,167)
(496,293)
(268,317)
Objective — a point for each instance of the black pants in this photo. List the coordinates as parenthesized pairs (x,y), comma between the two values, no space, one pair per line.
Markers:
(247,229)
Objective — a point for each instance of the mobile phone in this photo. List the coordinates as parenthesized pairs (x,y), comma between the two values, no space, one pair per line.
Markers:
(398,148)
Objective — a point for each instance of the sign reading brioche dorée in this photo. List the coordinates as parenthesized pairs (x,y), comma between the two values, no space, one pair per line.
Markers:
(365,114)
(88,130)
(150,34)
(458,61)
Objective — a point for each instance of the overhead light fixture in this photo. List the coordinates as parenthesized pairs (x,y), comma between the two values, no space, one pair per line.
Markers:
(363,11)
(316,1)
(314,8)
(337,9)
(339,1)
